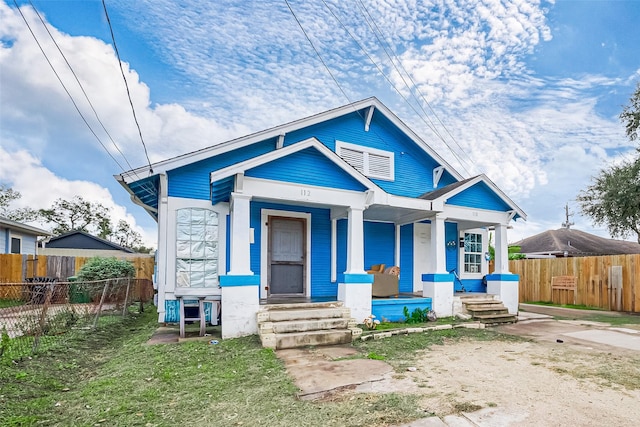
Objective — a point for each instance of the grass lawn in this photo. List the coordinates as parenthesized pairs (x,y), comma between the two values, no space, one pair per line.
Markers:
(4,303)
(112,377)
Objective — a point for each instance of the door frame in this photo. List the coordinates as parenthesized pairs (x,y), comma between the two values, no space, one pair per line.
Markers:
(264,248)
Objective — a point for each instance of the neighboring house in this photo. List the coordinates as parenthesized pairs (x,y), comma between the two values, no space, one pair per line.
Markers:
(18,238)
(303,209)
(80,243)
(565,242)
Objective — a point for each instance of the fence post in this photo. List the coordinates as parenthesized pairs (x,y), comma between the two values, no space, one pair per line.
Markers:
(126,297)
(43,315)
(104,294)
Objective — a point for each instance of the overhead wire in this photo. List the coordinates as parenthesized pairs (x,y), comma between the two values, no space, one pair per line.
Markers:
(64,86)
(133,110)
(431,126)
(80,85)
(386,48)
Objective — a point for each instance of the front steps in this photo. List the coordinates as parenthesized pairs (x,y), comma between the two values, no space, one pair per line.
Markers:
(299,325)
(487,309)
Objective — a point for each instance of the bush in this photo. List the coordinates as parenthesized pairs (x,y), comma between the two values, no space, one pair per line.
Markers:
(99,268)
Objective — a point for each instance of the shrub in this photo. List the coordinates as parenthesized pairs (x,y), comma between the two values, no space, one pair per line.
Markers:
(99,268)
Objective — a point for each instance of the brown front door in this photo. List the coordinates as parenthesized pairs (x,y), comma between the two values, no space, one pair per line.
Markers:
(286,256)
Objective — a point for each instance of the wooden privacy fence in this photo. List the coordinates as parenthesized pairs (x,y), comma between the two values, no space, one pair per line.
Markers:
(607,282)
(15,268)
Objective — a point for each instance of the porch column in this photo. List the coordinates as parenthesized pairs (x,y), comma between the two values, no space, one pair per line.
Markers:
(354,286)
(439,285)
(240,287)
(501,282)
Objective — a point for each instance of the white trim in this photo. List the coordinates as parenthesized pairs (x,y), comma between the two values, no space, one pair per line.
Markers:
(280,142)
(397,244)
(264,247)
(18,238)
(301,193)
(461,213)
(286,151)
(186,159)
(366,153)
(367,122)
(437,174)
(334,250)
(484,265)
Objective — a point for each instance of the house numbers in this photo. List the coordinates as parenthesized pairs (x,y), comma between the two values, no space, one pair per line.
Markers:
(305,192)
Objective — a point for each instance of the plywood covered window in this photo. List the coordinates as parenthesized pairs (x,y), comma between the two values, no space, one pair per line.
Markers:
(369,161)
(197,248)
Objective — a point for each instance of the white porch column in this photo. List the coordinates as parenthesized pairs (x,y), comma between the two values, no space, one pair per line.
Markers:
(355,241)
(439,285)
(240,287)
(354,286)
(501,250)
(501,282)
(438,245)
(240,262)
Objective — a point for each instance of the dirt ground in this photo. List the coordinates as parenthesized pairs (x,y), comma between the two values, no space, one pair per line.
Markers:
(531,383)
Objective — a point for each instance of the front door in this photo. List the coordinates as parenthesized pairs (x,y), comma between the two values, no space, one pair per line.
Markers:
(286,256)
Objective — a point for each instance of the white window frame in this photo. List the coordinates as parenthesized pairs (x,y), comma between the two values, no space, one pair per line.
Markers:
(484,265)
(366,152)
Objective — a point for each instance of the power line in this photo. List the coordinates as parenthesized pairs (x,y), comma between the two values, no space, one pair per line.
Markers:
(64,87)
(133,110)
(79,84)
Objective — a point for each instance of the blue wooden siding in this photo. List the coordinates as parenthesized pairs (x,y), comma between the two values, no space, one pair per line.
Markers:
(479,196)
(379,244)
(406,258)
(320,245)
(221,189)
(451,233)
(192,181)
(472,285)
(308,167)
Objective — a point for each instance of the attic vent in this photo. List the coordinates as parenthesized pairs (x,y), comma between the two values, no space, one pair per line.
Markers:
(366,160)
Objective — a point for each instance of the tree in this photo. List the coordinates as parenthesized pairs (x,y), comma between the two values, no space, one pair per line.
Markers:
(77,214)
(631,115)
(613,199)
(125,236)
(9,195)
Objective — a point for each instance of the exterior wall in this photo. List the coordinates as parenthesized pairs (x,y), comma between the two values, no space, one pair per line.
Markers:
(480,196)
(27,246)
(406,260)
(320,260)
(452,253)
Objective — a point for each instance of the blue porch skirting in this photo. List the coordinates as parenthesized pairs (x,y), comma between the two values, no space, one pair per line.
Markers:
(392,309)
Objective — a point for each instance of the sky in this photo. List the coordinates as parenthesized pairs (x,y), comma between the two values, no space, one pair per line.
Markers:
(527,92)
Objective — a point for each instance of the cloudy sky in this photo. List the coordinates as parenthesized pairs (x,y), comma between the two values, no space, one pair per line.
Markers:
(525,91)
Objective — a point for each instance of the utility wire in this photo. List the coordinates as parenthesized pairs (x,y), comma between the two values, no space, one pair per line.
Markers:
(64,87)
(384,45)
(133,110)
(80,84)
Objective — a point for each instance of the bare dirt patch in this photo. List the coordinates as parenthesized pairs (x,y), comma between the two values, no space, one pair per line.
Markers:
(534,383)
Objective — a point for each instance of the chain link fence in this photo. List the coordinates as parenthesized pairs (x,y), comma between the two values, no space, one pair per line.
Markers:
(42,312)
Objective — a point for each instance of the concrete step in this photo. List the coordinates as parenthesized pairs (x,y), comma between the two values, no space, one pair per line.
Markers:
(283,315)
(306,325)
(496,318)
(489,310)
(302,305)
(303,339)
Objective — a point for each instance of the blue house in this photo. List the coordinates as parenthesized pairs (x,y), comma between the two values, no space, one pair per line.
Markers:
(19,238)
(306,208)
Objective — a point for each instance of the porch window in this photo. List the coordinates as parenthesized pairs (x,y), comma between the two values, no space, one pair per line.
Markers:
(196,248)
(366,160)
(472,253)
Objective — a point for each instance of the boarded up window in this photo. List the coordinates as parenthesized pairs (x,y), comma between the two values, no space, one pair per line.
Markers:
(196,248)
(369,161)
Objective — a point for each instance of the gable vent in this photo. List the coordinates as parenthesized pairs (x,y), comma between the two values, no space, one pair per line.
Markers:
(369,161)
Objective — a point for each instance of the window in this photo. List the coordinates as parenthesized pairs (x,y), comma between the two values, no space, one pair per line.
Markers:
(196,248)
(368,161)
(472,253)
(16,245)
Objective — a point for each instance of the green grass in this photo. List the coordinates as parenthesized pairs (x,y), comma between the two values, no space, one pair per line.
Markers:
(4,303)
(112,377)
(575,306)
(615,319)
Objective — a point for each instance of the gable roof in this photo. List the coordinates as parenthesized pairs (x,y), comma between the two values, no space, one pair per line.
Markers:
(451,190)
(275,132)
(78,239)
(23,228)
(575,243)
